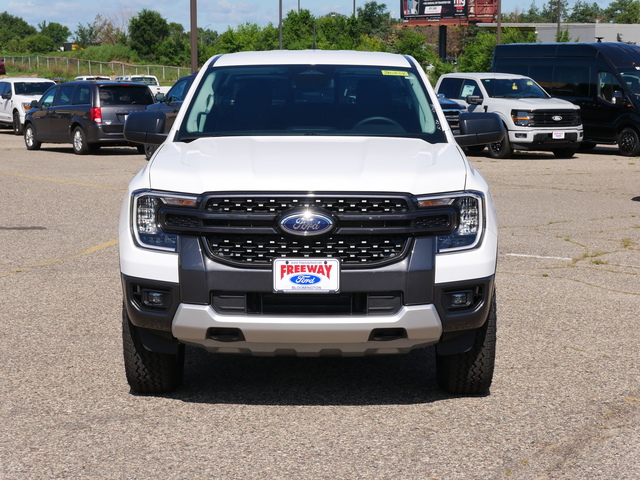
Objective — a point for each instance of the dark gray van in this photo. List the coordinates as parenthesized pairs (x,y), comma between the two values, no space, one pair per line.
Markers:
(602,78)
(86,114)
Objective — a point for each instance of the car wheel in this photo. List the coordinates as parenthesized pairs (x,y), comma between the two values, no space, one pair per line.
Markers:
(30,139)
(80,145)
(474,149)
(17,126)
(471,372)
(141,149)
(568,152)
(147,371)
(628,142)
(149,150)
(501,149)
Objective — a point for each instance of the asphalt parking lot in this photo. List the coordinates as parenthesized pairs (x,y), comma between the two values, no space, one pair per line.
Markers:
(565,402)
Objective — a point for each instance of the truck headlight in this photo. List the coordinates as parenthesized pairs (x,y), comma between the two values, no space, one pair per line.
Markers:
(521,118)
(145,225)
(471,220)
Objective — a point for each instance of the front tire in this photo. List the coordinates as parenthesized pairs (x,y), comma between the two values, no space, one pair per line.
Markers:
(147,371)
(471,373)
(501,149)
(568,152)
(628,142)
(17,126)
(30,139)
(80,145)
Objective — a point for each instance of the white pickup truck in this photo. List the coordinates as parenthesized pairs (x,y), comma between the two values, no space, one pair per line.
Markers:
(309,203)
(150,80)
(533,119)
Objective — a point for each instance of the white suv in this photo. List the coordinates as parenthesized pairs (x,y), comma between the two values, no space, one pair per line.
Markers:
(534,120)
(309,203)
(16,95)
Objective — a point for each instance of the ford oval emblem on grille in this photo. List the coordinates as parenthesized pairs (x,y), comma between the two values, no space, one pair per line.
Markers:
(556,118)
(306,223)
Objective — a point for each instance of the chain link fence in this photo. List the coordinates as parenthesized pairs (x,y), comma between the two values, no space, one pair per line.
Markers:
(68,68)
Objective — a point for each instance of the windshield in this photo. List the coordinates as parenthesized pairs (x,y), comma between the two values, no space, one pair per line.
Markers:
(31,88)
(513,88)
(311,100)
(632,79)
(145,80)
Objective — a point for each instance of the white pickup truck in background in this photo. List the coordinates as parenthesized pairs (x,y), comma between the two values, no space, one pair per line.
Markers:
(150,80)
(533,119)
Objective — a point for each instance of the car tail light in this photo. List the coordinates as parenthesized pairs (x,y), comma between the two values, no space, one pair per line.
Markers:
(96,115)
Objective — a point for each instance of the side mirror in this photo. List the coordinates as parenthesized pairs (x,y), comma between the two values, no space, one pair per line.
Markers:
(160,97)
(34,104)
(474,99)
(480,129)
(145,127)
(6,96)
(618,98)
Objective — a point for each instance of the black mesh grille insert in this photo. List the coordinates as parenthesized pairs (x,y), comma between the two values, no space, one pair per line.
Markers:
(260,250)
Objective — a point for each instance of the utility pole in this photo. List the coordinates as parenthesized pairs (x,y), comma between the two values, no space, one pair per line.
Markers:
(280,24)
(194,36)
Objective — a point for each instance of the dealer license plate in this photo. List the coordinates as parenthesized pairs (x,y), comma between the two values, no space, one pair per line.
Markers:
(558,135)
(306,275)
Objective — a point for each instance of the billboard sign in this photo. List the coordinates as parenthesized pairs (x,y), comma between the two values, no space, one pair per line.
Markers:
(433,8)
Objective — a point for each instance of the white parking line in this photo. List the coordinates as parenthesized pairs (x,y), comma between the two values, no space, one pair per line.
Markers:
(536,256)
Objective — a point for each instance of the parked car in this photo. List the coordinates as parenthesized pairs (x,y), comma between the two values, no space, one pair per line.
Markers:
(533,120)
(87,114)
(93,77)
(150,80)
(309,203)
(3,70)
(170,104)
(16,95)
(602,78)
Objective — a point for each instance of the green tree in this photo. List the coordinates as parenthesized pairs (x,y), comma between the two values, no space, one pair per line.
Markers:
(147,30)
(533,15)
(583,12)
(55,31)
(374,19)
(38,43)
(13,28)
(550,11)
(85,36)
(623,11)
(298,30)
(479,52)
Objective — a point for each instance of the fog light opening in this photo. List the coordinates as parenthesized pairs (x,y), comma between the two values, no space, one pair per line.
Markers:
(155,298)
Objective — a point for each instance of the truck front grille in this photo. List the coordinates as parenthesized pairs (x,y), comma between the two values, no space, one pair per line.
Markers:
(369,230)
(554,118)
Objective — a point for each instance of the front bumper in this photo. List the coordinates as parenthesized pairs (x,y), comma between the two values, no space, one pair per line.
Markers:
(224,309)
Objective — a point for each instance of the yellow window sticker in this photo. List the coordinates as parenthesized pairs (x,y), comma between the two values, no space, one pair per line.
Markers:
(396,73)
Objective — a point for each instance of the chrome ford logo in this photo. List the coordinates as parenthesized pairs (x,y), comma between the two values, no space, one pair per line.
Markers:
(556,118)
(305,279)
(306,223)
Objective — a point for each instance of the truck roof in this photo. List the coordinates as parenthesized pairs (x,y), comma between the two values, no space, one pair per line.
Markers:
(306,57)
(619,53)
(482,76)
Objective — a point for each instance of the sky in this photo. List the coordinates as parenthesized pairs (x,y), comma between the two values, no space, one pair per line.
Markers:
(216,15)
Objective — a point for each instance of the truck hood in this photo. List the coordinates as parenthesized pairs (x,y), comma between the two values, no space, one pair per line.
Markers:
(533,104)
(308,164)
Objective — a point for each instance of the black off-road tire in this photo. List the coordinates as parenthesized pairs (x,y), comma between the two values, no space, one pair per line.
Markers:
(30,139)
(568,152)
(17,126)
(628,142)
(501,149)
(471,373)
(147,371)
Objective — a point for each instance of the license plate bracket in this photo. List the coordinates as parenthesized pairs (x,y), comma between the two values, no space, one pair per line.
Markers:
(306,275)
